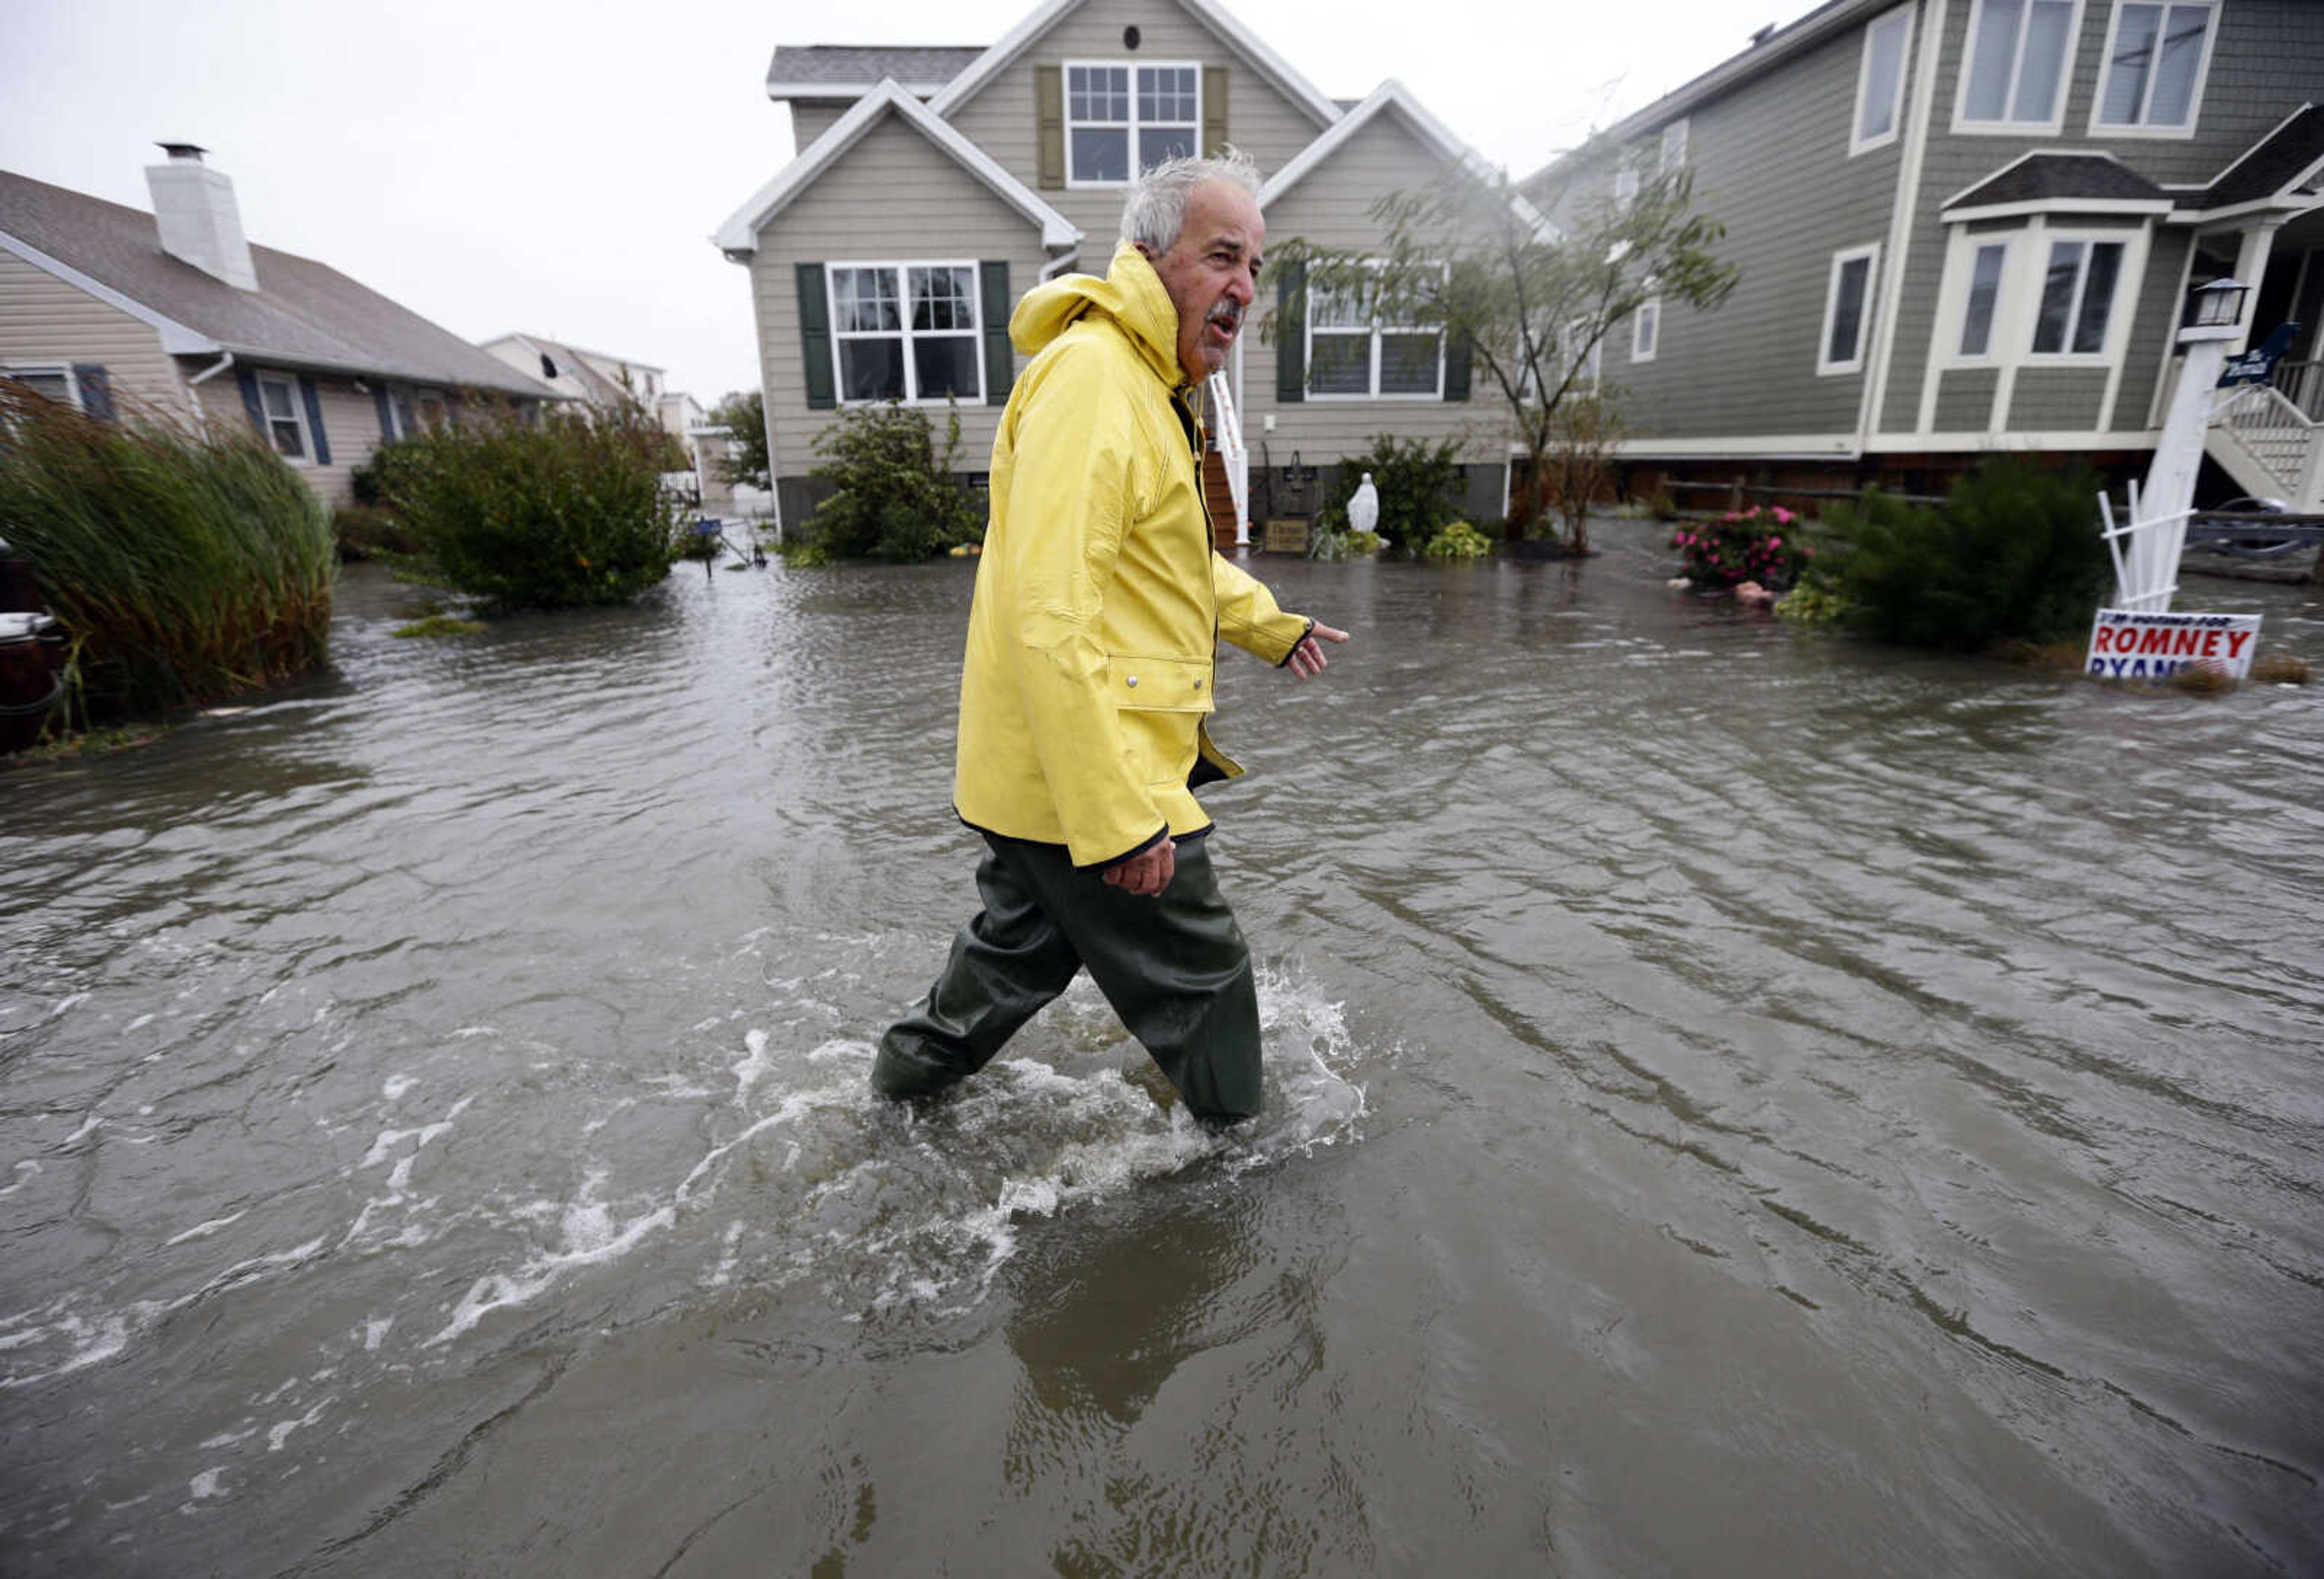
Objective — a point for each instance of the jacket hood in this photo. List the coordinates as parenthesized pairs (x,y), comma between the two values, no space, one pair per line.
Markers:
(1132,294)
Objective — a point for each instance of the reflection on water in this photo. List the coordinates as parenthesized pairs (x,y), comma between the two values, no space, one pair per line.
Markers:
(1739,1103)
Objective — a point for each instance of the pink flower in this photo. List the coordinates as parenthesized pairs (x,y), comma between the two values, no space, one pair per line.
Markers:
(1775,542)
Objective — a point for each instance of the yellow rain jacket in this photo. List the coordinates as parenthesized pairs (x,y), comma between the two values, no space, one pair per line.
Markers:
(1099,599)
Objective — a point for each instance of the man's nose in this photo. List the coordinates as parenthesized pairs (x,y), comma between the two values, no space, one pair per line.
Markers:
(1242,287)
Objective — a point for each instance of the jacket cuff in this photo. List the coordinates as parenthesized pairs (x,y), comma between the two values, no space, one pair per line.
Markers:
(1139,849)
(1303,630)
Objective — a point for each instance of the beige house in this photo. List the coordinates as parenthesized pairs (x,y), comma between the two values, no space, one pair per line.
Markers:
(176,313)
(933,186)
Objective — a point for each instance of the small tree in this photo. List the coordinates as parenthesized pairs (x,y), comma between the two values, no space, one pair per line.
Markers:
(1526,300)
(746,462)
(897,498)
(1585,429)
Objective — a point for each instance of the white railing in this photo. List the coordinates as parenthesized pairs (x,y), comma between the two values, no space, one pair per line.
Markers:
(2277,438)
(1234,453)
(2145,556)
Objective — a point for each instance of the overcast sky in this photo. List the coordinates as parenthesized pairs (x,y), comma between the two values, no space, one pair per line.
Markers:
(558,166)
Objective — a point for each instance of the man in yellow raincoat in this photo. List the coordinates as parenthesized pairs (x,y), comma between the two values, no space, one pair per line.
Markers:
(1087,681)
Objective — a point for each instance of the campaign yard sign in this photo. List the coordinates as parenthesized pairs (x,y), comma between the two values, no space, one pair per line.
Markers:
(2126,645)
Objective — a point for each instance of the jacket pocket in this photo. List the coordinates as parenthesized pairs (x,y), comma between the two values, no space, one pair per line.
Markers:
(1159,685)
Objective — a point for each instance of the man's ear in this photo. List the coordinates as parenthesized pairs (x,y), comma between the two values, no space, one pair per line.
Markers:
(1144,251)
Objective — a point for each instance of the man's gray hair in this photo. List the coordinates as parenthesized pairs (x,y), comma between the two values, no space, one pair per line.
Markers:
(1157,208)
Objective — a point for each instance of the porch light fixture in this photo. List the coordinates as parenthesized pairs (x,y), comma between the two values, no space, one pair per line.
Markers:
(2217,306)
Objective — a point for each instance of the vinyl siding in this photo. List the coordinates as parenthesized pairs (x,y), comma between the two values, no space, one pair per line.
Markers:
(2154,332)
(350,424)
(43,319)
(892,197)
(2057,400)
(1965,400)
(1001,118)
(811,120)
(1771,163)
(1331,208)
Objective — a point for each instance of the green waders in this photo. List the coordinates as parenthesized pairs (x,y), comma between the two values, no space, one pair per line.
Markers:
(1174,966)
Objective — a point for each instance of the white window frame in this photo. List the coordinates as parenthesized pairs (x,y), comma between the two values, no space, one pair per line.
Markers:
(903,333)
(1626,181)
(1671,152)
(2000,329)
(1373,392)
(2126,273)
(2005,127)
(2142,128)
(22,370)
(1646,329)
(1870,255)
(288,384)
(1898,22)
(1133,127)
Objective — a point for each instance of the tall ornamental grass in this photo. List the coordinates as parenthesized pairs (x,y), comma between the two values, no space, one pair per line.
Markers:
(566,511)
(184,567)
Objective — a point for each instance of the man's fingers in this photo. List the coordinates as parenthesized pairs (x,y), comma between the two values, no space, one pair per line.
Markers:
(1327,632)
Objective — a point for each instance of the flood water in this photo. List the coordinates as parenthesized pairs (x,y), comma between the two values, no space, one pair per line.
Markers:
(1740,1103)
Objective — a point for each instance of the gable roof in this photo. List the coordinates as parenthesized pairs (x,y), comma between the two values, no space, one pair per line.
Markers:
(1269,65)
(2085,181)
(844,71)
(572,368)
(2279,168)
(740,235)
(1392,95)
(303,314)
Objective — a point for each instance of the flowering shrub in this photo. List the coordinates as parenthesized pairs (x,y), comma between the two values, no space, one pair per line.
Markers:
(1757,545)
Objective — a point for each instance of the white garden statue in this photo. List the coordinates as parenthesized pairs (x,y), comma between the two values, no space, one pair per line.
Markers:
(1363,506)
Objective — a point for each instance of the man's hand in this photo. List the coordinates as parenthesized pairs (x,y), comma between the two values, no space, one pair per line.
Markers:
(1308,660)
(1147,873)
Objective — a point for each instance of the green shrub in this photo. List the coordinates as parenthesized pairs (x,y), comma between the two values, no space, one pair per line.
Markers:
(184,567)
(2013,552)
(897,500)
(565,513)
(1765,546)
(363,532)
(1460,540)
(1419,485)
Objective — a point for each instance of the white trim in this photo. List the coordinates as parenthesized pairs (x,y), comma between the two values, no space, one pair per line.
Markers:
(24,370)
(288,382)
(739,237)
(1959,289)
(2146,129)
(1903,213)
(837,93)
(1393,95)
(1269,65)
(1646,330)
(1897,21)
(1870,253)
(2116,328)
(1132,128)
(904,334)
(1372,331)
(2130,207)
(1843,446)
(2005,127)
(177,339)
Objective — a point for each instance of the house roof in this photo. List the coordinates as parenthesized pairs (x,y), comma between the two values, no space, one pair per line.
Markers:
(1390,95)
(1233,33)
(740,234)
(2285,165)
(1769,47)
(572,367)
(303,314)
(2081,182)
(844,71)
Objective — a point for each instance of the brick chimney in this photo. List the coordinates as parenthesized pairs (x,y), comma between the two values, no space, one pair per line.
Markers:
(193,204)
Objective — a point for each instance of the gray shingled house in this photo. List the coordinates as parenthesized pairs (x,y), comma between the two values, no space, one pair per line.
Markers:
(179,312)
(1967,225)
(933,186)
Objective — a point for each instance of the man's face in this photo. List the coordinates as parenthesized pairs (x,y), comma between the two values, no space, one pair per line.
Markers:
(1211,273)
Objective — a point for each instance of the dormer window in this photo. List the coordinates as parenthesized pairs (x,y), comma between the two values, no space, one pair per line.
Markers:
(1121,119)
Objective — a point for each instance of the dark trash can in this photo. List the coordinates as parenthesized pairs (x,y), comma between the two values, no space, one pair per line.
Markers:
(32,677)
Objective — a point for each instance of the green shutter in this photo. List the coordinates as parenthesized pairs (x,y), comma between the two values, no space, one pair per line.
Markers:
(999,363)
(815,337)
(1214,110)
(1291,332)
(1456,368)
(1049,123)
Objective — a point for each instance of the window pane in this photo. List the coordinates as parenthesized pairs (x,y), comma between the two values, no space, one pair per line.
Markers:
(1100,154)
(1847,311)
(1166,93)
(2043,62)
(871,370)
(1408,364)
(1646,330)
(277,399)
(1340,363)
(1990,57)
(2057,296)
(1338,308)
(2134,57)
(1157,143)
(2174,78)
(946,364)
(1984,291)
(1884,71)
(943,298)
(2097,296)
(1098,93)
(864,302)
